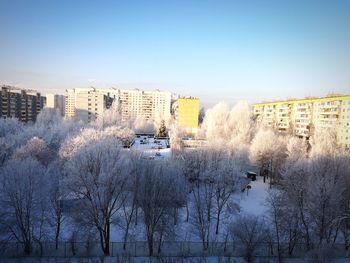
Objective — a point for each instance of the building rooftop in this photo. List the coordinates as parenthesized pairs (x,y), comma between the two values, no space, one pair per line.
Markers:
(331,97)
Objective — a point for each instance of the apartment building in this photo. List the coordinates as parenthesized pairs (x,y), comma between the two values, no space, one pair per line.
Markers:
(57,102)
(185,111)
(133,103)
(302,117)
(86,104)
(150,105)
(22,104)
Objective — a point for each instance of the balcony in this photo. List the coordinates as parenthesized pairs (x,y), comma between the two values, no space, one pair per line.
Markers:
(330,119)
(301,107)
(334,112)
(303,117)
(327,106)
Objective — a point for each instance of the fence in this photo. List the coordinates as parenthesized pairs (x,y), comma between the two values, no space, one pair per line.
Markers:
(167,249)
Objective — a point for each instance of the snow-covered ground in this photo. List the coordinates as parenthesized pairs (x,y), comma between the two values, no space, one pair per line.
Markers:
(151,148)
(253,201)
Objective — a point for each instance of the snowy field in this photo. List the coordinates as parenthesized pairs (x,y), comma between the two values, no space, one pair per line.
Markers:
(151,148)
(252,203)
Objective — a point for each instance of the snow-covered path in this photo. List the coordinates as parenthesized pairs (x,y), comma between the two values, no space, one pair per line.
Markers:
(255,202)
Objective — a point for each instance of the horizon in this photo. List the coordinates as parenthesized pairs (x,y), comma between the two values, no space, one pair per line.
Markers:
(222,51)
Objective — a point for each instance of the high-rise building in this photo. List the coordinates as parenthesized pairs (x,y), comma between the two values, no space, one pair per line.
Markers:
(86,104)
(22,104)
(57,102)
(303,117)
(150,105)
(133,103)
(185,111)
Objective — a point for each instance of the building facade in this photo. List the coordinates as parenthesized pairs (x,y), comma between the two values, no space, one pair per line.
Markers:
(149,105)
(86,104)
(185,111)
(57,102)
(22,104)
(303,117)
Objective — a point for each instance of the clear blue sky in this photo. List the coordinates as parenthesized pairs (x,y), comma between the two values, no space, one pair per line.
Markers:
(216,50)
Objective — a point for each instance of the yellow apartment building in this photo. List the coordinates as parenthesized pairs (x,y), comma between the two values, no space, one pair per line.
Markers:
(186,111)
(303,116)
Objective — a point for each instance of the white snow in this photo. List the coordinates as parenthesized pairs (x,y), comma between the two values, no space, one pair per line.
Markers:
(253,201)
(151,148)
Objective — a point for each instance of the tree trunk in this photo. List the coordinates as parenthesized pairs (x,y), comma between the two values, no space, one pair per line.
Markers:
(136,215)
(126,236)
(27,247)
(217,223)
(105,237)
(58,228)
(187,212)
(150,245)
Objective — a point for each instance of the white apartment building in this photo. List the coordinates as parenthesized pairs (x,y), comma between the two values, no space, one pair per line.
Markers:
(303,117)
(80,103)
(86,104)
(150,105)
(57,102)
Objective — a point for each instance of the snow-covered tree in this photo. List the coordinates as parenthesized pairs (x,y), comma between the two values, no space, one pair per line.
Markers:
(250,231)
(268,152)
(161,189)
(110,117)
(56,193)
(24,210)
(35,148)
(215,121)
(240,125)
(97,175)
(48,118)
(162,130)
(324,142)
(297,149)
(10,126)
(141,125)
(175,138)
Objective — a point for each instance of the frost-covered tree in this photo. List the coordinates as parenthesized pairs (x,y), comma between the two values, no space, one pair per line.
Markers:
(10,126)
(213,176)
(250,231)
(73,144)
(35,148)
(215,121)
(6,148)
(327,185)
(48,118)
(315,191)
(297,149)
(56,193)
(141,125)
(240,124)
(161,189)
(324,142)
(162,130)
(111,116)
(268,152)
(175,138)
(97,175)
(24,210)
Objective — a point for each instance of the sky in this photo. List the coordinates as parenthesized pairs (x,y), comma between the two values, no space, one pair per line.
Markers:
(214,50)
